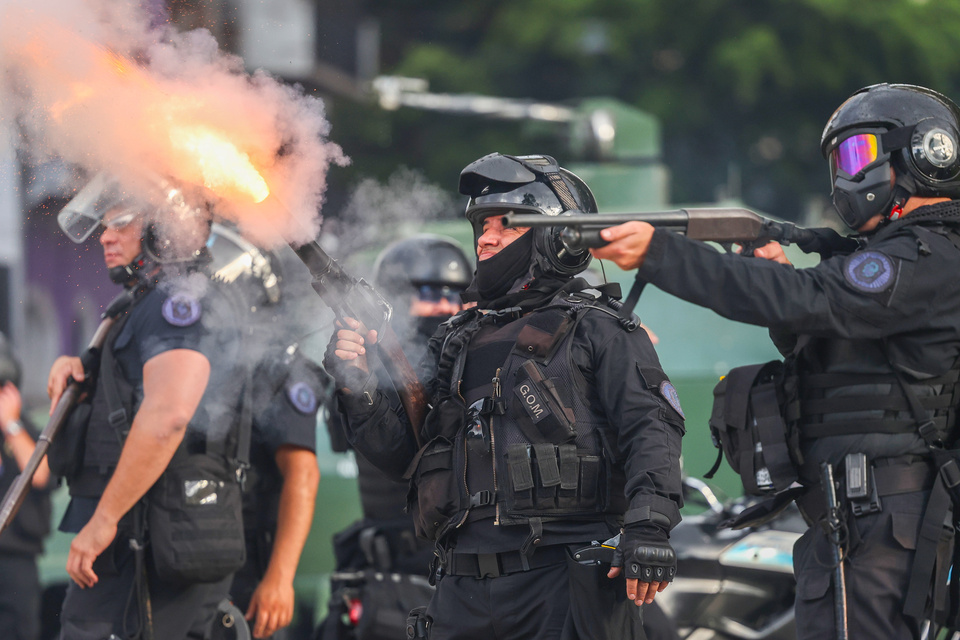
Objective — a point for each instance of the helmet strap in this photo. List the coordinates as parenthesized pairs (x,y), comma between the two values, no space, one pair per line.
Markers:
(138,272)
(902,191)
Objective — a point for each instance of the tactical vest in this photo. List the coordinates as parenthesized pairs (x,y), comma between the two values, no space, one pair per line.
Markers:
(554,456)
(112,407)
(834,404)
(115,402)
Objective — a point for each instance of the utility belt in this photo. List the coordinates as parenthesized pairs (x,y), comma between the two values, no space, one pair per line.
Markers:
(863,486)
(494,565)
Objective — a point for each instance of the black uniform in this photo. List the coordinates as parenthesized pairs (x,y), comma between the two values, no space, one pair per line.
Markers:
(20,544)
(167,316)
(285,401)
(380,561)
(858,324)
(510,481)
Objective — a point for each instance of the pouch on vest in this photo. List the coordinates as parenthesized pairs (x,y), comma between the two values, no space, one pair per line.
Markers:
(746,423)
(434,497)
(546,477)
(445,419)
(194,515)
(65,453)
(68,450)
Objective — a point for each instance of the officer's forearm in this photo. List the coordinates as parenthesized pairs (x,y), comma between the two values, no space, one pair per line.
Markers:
(153,439)
(173,384)
(381,434)
(301,476)
(21,446)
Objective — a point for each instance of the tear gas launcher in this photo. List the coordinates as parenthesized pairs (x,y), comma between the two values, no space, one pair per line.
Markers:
(90,359)
(725,226)
(351,297)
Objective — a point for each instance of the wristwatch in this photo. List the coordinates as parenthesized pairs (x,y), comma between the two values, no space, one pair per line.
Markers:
(12,428)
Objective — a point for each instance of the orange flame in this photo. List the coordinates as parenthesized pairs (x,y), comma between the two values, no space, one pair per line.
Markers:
(225,169)
(201,153)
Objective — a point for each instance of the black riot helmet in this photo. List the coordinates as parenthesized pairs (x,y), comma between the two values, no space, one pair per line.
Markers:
(912,130)
(498,183)
(421,261)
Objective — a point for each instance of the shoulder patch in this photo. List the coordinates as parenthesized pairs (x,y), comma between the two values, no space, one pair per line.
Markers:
(669,393)
(181,310)
(302,397)
(870,271)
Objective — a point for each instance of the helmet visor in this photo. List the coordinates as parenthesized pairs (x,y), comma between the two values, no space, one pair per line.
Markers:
(80,217)
(436,293)
(854,154)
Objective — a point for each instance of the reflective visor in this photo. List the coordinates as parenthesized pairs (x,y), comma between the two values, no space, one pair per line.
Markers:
(854,153)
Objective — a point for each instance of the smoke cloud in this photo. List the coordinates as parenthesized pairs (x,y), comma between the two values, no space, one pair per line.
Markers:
(108,87)
(377,213)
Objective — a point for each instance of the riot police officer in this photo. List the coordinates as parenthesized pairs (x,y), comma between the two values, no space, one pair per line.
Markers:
(286,391)
(873,338)
(22,542)
(159,432)
(281,488)
(422,277)
(552,426)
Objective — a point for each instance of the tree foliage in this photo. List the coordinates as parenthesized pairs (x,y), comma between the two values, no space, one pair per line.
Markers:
(735,83)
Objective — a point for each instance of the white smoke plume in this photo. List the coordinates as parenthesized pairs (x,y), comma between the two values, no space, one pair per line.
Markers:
(98,83)
(378,213)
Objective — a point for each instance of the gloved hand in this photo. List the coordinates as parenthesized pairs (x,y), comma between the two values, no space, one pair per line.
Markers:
(352,374)
(648,561)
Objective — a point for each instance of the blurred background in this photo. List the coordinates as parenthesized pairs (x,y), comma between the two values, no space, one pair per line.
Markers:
(655,103)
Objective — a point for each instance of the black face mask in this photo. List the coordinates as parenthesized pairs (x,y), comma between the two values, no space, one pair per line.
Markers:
(497,274)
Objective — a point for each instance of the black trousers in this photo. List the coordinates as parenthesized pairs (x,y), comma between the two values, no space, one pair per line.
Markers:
(19,597)
(179,611)
(565,601)
(877,572)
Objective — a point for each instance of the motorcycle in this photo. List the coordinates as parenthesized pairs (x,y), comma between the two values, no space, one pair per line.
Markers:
(732,584)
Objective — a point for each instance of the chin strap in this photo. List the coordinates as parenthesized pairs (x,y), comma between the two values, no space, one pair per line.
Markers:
(139,272)
(902,191)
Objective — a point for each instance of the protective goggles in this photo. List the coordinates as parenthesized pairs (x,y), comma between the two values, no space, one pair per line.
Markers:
(121,221)
(854,155)
(436,293)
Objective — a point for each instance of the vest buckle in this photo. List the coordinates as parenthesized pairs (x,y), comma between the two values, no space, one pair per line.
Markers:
(117,418)
(481,499)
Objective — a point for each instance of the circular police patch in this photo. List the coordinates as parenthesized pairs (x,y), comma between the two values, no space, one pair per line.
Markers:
(302,397)
(870,271)
(669,393)
(181,310)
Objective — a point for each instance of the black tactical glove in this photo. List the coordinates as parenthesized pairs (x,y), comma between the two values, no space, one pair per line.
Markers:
(645,554)
(360,383)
